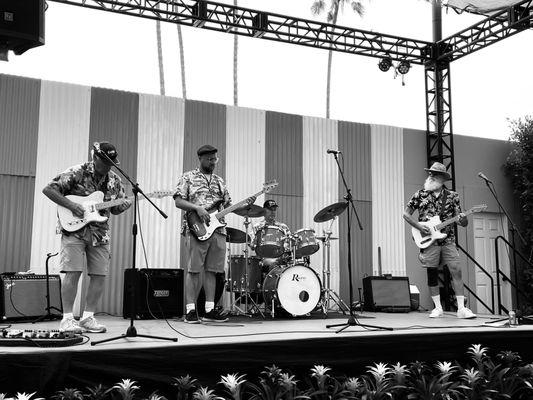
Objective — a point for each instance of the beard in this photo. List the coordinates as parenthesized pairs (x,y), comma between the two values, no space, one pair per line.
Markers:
(432,185)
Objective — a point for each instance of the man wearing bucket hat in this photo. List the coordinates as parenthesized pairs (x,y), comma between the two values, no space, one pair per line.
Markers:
(435,199)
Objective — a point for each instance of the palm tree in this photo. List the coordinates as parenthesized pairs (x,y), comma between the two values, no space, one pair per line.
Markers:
(235,66)
(160,59)
(317,8)
(182,63)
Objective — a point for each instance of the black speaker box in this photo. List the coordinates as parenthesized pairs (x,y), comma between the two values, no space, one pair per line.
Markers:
(24,296)
(158,293)
(387,293)
(21,24)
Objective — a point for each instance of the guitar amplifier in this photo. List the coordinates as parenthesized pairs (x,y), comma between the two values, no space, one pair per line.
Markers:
(158,293)
(24,296)
(387,293)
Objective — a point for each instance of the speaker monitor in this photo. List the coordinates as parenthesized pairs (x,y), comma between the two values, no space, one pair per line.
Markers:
(24,296)
(21,25)
(386,293)
(158,293)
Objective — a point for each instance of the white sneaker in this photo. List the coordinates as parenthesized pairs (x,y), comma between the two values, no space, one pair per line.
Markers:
(465,313)
(70,325)
(436,313)
(91,325)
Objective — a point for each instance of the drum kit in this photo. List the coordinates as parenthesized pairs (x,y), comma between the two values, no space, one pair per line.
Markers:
(279,275)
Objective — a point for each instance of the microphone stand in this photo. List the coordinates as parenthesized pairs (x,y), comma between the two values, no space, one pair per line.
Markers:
(132,331)
(49,316)
(352,319)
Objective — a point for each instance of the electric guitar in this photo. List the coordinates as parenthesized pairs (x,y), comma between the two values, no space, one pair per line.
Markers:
(93,204)
(203,231)
(435,226)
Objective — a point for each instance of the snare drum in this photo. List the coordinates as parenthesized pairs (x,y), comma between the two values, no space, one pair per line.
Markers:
(306,243)
(237,278)
(270,242)
(295,289)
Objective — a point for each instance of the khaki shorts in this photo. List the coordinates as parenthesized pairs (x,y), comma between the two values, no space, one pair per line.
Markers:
(435,255)
(75,251)
(206,256)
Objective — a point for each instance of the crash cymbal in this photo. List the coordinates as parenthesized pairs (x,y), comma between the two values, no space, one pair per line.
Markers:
(234,235)
(330,212)
(251,211)
(322,238)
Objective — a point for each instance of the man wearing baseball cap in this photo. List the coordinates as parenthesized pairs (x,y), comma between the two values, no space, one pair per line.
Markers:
(435,199)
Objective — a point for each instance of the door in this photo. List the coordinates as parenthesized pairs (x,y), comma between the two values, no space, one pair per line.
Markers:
(487,227)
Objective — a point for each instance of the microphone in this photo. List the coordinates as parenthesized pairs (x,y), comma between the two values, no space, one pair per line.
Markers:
(333,151)
(482,176)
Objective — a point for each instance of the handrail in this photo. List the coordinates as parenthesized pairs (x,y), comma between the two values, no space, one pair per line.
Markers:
(500,272)
(491,309)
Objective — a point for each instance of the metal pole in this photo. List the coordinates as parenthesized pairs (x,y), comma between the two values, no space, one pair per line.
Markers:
(439,108)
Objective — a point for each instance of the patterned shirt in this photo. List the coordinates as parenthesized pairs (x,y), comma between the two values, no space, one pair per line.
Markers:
(81,180)
(202,190)
(429,205)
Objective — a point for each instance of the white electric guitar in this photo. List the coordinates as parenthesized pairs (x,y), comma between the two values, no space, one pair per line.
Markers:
(435,226)
(93,204)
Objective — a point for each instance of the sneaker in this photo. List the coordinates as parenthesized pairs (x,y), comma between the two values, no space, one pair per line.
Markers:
(436,313)
(91,325)
(70,325)
(214,316)
(465,313)
(191,317)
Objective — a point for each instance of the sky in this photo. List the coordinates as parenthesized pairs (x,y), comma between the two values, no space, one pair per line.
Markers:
(97,48)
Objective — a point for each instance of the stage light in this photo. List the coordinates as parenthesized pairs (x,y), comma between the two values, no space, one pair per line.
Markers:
(404,66)
(385,63)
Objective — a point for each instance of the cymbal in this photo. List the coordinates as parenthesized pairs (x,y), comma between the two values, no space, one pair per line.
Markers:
(234,235)
(323,238)
(251,211)
(330,212)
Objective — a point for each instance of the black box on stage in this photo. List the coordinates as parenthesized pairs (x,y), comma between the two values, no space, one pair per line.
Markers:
(21,24)
(158,292)
(387,293)
(24,296)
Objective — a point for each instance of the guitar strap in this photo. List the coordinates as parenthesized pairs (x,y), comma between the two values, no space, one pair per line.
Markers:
(443,203)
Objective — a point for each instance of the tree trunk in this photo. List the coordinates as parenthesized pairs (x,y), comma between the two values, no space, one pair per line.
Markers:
(235,66)
(160,59)
(330,59)
(182,64)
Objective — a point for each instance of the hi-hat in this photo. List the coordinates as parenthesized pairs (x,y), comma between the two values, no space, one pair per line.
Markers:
(234,235)
(251,211)
(330,212)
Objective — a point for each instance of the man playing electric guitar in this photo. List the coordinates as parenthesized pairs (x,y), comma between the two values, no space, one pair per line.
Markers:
(90,243)
(436,200)
(200,191)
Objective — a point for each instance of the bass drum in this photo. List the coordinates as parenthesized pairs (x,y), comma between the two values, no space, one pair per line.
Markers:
(295,289)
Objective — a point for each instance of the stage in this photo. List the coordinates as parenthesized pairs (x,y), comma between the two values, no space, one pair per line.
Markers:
(246,345)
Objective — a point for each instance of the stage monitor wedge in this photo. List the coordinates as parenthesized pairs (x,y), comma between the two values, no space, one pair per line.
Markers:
(21,25)
(387,293)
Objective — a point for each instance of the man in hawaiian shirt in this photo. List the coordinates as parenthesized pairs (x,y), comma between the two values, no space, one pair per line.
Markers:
(197,191)
(91,243)
(428,202)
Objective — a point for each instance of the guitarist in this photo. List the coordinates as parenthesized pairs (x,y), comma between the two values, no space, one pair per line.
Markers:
(435,199)
(200,190)
(91,243)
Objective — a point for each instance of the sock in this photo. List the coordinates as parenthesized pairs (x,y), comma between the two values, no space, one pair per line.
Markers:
(87,314)
(460,302)
(436,301)
(189,307)
(68,315)
(209,305)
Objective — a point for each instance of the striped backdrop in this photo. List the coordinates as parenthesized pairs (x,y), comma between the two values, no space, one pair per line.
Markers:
(46,127)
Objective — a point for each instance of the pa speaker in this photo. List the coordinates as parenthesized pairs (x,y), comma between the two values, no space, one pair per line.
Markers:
(21,24)
(24,296)
(387,293)
(158,293)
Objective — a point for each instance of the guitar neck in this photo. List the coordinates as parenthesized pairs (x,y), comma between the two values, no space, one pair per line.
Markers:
(452,220)
(236,206)
(112,203)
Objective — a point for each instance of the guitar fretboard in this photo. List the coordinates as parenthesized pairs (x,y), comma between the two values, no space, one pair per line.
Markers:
(452,220)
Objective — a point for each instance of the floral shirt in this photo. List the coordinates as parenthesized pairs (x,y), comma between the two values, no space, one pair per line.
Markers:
(202,190)
(428,205)
(80,180)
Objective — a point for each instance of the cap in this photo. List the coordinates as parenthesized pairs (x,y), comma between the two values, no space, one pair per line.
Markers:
(270,204)
(109,150)
(206,149)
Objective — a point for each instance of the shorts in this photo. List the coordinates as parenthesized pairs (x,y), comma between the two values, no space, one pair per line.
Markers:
(74,251)
(435,255)
(209,255)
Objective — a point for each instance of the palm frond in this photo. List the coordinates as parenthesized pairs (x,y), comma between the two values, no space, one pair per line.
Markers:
(318,7)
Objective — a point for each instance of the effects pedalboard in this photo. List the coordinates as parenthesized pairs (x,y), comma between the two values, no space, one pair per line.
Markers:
(38,338)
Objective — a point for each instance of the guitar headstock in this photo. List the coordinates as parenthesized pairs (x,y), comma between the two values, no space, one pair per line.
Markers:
(479,208)
(268,186)
(159,194)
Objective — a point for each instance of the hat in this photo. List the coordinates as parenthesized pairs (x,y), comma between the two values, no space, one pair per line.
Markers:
(109,150)
(270,204)
(206,149)
(440,169)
